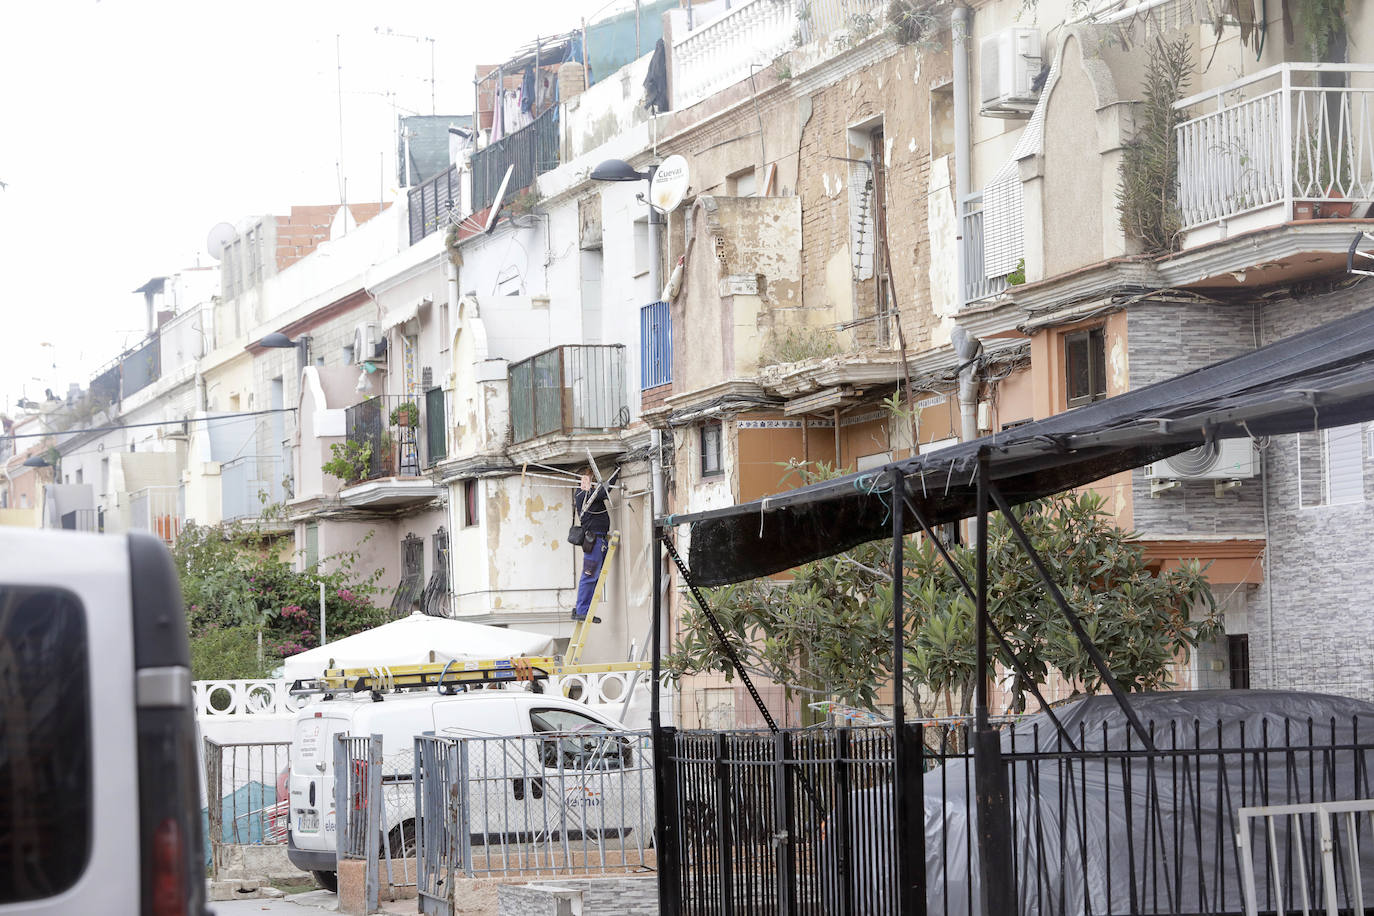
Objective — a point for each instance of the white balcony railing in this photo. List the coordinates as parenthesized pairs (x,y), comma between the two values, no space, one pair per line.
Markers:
(753,33)
(159,510)
(1278,140)
(977,285)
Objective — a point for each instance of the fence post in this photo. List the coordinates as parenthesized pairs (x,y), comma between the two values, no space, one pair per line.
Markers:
(374,818)
(784,828)
(667,815)
(839,830)
(341,780)
(455,819)
(724,810)
(911,841)
(214,799)
(417,771)
(459,792)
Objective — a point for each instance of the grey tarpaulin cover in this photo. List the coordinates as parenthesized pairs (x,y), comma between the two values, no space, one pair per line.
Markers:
(1074,845)
(1317,379)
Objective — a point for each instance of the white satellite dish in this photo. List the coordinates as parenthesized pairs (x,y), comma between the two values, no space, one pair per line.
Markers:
(669,185)
(218,239)
(494,213)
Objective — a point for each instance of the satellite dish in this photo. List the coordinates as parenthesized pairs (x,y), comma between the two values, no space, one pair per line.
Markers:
(218,239)
(494,213)
(669,185)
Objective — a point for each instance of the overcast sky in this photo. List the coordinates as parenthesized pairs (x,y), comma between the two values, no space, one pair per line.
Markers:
(128,128)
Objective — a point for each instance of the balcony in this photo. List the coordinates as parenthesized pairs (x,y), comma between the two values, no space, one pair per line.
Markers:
(567,400)
(532,150)
(977,285)
(1276,147)
(159,510)
(249,484)
(752,34)
(431,202)
(401,436)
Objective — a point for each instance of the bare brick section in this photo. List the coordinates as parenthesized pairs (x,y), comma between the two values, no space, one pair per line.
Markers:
(307,226)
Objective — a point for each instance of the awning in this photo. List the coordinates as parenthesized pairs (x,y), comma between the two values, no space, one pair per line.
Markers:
(1313,380)
(401,315)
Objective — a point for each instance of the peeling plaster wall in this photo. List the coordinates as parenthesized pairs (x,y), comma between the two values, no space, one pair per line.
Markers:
(609,108)
(739,290)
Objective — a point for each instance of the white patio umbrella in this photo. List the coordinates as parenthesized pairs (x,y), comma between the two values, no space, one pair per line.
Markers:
(416,640)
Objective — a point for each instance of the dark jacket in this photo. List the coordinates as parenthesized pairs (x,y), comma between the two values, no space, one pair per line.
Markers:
(596,517)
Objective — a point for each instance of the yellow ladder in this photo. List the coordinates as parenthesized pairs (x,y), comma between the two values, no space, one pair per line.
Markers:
(579,634)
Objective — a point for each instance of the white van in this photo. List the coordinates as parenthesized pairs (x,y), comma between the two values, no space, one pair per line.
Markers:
(99,789)
(543,784)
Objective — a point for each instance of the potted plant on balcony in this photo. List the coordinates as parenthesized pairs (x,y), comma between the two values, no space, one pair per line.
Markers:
(406,413)
(350,460)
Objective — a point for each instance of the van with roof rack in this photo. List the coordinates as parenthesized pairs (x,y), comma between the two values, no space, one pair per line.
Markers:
(99,788)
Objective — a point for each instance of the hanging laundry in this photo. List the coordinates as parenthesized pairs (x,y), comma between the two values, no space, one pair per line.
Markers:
(527,91)
(498,129)
(656,80)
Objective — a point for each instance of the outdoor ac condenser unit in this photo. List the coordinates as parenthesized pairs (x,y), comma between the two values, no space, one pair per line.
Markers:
(1227,459)
(1009,62)
(364,342)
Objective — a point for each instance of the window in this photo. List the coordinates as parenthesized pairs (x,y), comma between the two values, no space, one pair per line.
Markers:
(1331,466)
(655,345)
(741,184)
(45,775)
(1085,366)
(469,503)
(587,744)
(78,475)
(348,354)
(711,464)
(312,546)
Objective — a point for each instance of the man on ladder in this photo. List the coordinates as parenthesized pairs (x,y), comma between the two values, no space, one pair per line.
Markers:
(593,513)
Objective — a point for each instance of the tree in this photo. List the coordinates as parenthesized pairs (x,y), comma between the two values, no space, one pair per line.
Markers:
(827,632)
(236,584)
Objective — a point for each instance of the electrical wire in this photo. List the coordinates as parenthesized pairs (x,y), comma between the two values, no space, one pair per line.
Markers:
(110,429)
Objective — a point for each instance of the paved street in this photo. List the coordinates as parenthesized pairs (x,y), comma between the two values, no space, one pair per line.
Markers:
(301,904)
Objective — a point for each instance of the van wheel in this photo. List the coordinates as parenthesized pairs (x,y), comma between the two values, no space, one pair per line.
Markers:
(329,880)
(401,840)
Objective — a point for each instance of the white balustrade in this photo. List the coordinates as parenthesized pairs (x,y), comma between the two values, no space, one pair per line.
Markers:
(1276,138)
(245,698)
(721,52)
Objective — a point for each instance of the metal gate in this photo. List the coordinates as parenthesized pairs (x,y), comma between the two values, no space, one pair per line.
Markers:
(358,804)
(438,846)
(1311,855)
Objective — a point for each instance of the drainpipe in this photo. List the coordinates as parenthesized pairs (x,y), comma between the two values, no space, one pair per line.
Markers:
(967,348)
(451,275)
(961,29)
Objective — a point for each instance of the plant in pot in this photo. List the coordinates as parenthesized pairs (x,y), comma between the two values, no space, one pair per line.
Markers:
(350,460)
(406,413)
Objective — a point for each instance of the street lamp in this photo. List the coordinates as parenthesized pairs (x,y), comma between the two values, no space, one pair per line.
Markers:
(279,341)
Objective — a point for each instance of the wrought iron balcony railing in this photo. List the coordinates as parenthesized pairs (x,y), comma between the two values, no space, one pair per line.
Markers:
(399,431)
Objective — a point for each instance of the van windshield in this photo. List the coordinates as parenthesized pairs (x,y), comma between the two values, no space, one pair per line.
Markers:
(45,743)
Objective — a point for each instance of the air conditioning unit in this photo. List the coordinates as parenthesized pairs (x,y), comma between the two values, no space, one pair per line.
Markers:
(367,345)
(1009,62)
(1227,459)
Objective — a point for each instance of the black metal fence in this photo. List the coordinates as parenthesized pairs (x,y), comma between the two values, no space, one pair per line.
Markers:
(431,202)
(532,150)
(801,821)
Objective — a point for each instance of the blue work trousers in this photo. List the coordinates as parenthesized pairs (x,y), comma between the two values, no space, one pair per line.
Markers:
(591,571)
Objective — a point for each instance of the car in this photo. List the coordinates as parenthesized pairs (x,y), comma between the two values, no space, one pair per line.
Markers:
(99,788)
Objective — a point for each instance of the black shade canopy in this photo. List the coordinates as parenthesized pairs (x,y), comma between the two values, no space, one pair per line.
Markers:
(1314,380)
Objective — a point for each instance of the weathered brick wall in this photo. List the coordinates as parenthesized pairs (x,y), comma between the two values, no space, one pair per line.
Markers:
(307,226)
(897,89)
